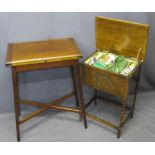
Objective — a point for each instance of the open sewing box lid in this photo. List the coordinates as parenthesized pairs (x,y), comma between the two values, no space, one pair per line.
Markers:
(122,37)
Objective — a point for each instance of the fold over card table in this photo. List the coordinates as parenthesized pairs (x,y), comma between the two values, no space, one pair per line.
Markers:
(39,55)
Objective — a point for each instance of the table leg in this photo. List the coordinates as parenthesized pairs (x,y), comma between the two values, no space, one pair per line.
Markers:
(122,117)
(95,95)
(75,85)
(135,93)
(80,90)
(16,98)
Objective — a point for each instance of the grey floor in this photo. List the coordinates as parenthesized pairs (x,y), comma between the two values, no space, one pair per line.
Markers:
(64,126)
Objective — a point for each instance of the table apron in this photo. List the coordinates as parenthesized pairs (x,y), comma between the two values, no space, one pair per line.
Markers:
(42,66)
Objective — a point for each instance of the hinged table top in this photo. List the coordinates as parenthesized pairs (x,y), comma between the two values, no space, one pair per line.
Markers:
(42,51)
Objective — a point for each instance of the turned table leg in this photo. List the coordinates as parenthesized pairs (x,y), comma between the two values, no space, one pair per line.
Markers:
(95,96)
(135,92)
(122,117)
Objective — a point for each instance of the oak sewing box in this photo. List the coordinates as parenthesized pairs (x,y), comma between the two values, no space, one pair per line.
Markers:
(123,38)
(39,55)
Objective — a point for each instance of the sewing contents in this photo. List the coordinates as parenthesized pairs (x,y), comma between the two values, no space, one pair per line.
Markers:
(111,62)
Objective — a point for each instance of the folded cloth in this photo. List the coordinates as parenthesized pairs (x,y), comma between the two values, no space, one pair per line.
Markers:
(120,63)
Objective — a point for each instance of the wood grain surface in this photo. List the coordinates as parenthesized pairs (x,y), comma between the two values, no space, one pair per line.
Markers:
(122,37)
(42,51)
